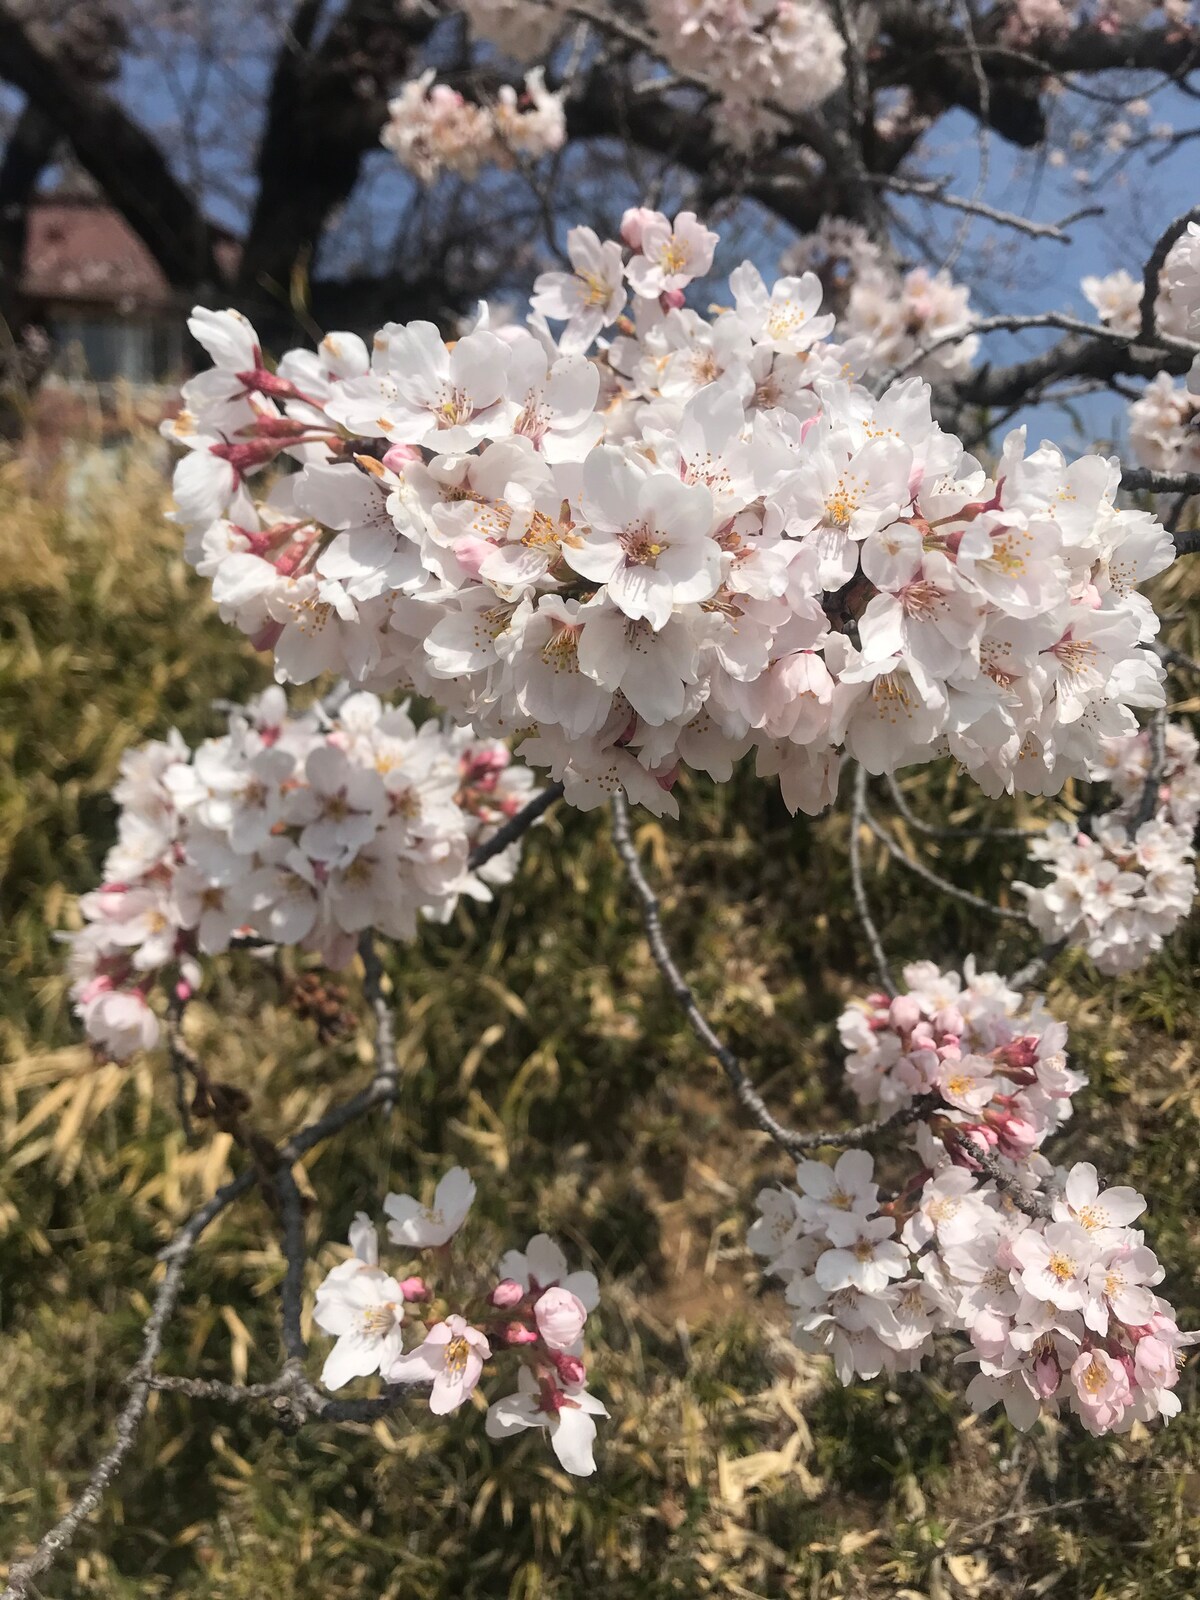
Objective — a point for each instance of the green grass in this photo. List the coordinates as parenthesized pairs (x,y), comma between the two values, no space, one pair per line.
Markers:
(541,1049)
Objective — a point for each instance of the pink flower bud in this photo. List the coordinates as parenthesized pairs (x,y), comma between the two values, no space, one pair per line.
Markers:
(633,224)
(244,457)
(270,383)
(1047,1374)
(904,1013)
(570,1369)
(950,1020)
(280,428)
(398,456)
(1016,1136)
(414,1289)
(506,1294)
(519,1333)
(560,1317)
(672,299)
(288,560)
(1019,1056)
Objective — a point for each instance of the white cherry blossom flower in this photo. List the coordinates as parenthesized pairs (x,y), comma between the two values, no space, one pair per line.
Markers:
(567,1414)
(422,1226)
(589,297)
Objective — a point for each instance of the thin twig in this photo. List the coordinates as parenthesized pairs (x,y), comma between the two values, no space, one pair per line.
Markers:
(1153,270)
(516,826)
(385,1021)
(1021,324)
(179,1056)
(748,1096)
(1156,735)
(295,1252)
(935,191)
(859,887)
(140,1379)
(936,830)
(977,902)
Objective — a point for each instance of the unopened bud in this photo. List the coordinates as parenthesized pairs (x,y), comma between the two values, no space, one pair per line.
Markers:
(519,1333)
(398,456)
(633,224)
(414,1289)
(570,1368)
(904,1013)
(270,383)
(507,1294)
(245,457)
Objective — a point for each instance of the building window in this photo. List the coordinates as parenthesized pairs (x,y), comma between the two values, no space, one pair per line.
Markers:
(100,349)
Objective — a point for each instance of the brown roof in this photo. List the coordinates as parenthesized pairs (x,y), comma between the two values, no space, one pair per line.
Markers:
(80,250)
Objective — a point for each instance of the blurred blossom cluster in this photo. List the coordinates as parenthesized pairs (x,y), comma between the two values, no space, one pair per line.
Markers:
(432,129)
(1123,888)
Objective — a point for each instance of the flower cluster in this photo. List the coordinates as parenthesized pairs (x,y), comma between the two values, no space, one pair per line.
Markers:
(1117,298)
(887,318)
(1124,888)
(432,129)
(1031,21)
(302,828)
(699,540)
(969,1046)
(765,58)
(531,1309)
(900,316)
(1164,430)
(1056,1300)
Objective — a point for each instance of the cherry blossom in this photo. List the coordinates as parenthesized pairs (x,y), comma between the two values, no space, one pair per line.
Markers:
(1055,1303)
(451,1357)
(421,1226)
(526,1316)
(588,298)
(567,1414)
(644,557)
(300,829)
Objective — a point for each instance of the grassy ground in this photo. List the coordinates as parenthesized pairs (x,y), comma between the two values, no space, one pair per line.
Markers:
(539,1048)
